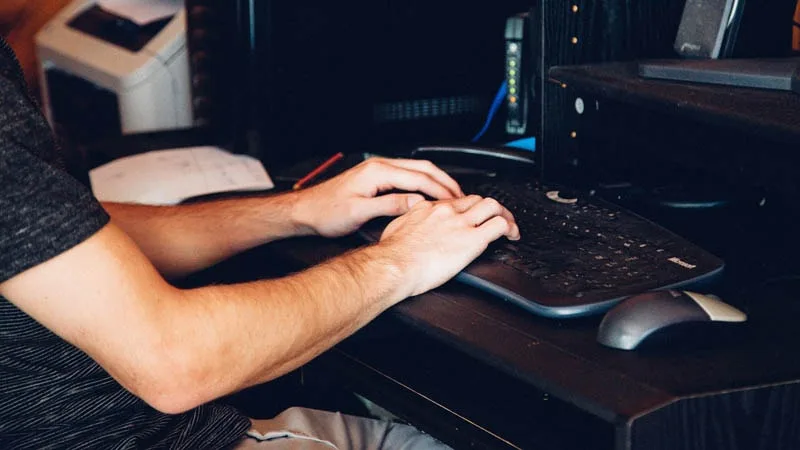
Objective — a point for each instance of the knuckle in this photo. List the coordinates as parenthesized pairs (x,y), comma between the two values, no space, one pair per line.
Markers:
(502,222)
(444,208)
(372,164)
(429,164)
(492,203)
(374,160)
(509,227)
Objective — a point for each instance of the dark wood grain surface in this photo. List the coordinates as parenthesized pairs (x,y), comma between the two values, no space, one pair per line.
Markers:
(661,389)
(773,115)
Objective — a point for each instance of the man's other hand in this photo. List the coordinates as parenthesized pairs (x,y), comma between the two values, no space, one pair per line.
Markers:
(436,240)
(341,205)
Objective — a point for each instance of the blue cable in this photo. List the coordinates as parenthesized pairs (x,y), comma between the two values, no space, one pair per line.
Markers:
(498,100)
(528,143)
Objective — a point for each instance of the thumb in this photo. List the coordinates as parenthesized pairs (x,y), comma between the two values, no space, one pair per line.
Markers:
(413,199)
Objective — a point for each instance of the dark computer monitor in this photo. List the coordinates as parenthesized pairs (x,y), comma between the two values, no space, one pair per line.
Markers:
(286,79)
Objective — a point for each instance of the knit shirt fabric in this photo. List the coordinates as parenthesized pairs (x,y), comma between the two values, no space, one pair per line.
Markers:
(53,395)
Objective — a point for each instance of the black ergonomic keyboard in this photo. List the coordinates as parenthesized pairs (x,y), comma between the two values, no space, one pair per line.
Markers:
(579,255)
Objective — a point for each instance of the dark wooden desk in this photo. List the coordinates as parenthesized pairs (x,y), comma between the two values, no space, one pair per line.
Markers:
(480,373)
(773,115)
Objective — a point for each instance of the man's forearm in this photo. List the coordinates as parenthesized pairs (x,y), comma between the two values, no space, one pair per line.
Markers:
(178,348)
(224,338)
(187,238)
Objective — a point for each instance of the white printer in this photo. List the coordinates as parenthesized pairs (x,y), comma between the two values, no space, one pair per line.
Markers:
(104,75)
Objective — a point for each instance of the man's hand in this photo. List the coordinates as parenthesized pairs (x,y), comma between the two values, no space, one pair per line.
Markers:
(435,240)
(342,204)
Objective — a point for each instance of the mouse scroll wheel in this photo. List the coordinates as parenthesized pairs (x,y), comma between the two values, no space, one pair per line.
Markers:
(566,197)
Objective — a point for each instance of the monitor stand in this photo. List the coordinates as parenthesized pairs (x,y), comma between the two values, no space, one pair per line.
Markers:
(774,73)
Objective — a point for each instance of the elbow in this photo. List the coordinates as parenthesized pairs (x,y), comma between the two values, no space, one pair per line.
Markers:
(170,365)
(173,384)
(171,394)
(169,402)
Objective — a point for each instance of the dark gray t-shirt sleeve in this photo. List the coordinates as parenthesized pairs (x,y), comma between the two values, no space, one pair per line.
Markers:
(43,210)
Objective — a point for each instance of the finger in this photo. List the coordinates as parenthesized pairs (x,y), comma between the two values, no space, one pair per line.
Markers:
(465,203)
(392,204)
(486,209)
(496,227)
(393,177)
(432,170)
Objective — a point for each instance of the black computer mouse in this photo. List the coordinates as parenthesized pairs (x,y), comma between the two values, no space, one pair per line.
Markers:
(631,322)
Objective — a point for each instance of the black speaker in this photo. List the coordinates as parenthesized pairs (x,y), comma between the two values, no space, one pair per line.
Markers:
(706,27)
(735,29)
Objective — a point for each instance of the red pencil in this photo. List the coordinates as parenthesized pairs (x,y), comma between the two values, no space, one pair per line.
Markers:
(314,173)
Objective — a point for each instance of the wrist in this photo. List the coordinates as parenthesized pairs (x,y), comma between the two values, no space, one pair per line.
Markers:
(386,271)
(300,214)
